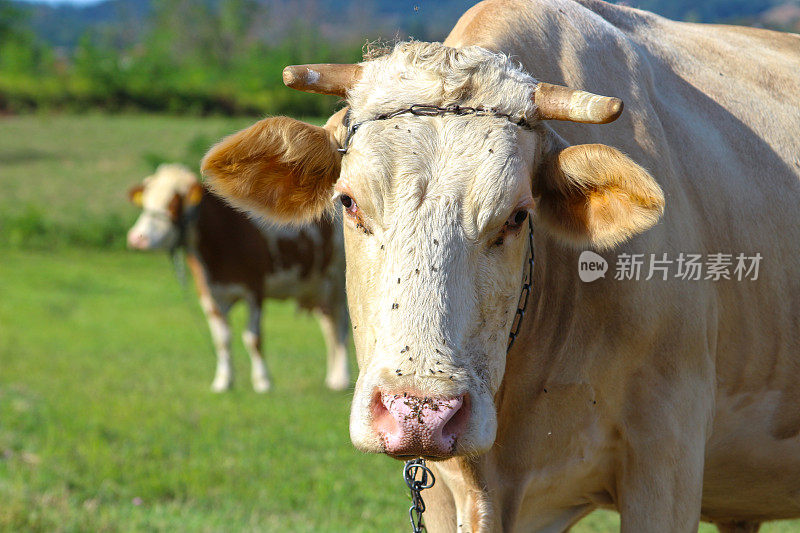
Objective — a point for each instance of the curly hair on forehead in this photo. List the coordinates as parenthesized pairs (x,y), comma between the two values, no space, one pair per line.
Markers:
(416,72)
(377,48)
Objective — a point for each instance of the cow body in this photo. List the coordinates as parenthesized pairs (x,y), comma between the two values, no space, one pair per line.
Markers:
(232,259)
(668,399)
(694,382)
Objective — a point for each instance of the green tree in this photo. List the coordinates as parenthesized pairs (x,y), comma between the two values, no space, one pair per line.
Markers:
(19,50)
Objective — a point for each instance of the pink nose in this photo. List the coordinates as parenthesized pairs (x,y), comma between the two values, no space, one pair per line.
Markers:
(413,425)
(137,240)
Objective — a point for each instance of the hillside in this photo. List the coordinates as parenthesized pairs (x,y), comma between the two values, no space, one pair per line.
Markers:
(63,25)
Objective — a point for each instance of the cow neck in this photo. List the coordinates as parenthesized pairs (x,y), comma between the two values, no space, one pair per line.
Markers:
(185,224)
(185,245)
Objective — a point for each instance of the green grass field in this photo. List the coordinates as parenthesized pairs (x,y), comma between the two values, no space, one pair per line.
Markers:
(79,166)
(106,419)
(104,402)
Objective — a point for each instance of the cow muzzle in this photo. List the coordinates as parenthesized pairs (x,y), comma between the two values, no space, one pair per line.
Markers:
(137,240)
(412,425)
(152,233)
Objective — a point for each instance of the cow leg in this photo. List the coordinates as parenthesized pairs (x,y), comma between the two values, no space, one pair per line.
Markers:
(215,305)
(660,472)
(251,337)
(334,325)
(661,490)
(738,526)
(217,315)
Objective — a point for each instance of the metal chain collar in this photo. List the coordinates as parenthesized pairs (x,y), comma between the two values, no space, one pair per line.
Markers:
(414,466)
(178,251)
(410,471)
(426,110)
(526,292)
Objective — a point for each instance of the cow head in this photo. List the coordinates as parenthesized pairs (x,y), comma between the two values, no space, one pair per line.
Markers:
(164,198)
(435,221)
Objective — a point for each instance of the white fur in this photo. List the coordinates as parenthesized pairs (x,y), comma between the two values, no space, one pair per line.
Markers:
(216,311)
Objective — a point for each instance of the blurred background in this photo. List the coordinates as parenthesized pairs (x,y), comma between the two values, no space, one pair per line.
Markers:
(106,419)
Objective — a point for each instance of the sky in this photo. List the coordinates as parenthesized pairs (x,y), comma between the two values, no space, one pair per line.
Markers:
(73,2)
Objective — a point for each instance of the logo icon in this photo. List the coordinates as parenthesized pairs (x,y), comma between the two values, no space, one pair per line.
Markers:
(591,266)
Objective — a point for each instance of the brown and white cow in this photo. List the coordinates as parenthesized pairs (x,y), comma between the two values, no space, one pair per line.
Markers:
(669,399)
(232,259)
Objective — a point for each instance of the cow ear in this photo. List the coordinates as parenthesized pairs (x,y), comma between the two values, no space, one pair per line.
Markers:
(194,195)
(280,168)
(594,194)
(135,194)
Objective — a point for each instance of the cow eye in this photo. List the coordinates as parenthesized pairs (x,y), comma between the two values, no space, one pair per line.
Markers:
(517,218)
(512,226)
(352,211)
(348,203)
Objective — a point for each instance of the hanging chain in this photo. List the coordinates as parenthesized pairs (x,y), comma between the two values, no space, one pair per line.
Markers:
(178,258)
(526,292)
(183,224)
(413,468)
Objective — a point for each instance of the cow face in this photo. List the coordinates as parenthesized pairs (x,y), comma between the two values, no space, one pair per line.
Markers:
(435,248)
(164,197)
(436,215)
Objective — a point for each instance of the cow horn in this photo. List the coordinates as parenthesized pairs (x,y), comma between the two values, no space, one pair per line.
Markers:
(322,78)
(555,102)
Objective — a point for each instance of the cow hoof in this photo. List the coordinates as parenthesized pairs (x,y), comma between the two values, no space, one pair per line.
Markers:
(221,386)
(337,384)
(261,386)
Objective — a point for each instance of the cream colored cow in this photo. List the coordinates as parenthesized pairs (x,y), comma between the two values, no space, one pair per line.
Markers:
(669,399)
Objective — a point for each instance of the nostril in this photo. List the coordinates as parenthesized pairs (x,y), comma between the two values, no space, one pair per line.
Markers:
(381,417)
(141,240)
(458,420)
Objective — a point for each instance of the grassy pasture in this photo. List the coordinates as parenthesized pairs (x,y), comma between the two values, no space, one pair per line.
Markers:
(106,419)
(63,178)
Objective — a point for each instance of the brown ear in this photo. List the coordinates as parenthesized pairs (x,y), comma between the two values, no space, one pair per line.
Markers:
(135,194)
(175,208)
(194,195)
(279,167)
(594,194)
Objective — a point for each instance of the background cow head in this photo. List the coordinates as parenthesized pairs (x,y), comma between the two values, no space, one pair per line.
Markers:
(436,211)
(164,198)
